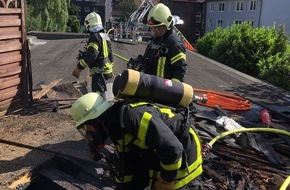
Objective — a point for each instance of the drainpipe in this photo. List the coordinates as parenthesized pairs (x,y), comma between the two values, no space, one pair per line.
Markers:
(259,22)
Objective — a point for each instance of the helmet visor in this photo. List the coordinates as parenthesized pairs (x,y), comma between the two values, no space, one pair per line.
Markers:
(153,22)
(93,135)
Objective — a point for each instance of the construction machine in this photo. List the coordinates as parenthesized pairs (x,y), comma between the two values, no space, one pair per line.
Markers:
(135,24)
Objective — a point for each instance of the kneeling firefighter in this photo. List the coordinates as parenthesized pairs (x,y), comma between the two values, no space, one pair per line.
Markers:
(156,147)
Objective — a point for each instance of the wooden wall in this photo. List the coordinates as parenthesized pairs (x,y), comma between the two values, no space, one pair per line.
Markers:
(13,56)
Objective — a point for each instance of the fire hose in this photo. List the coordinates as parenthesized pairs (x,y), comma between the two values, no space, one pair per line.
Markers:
(285,184)
(208,146)
(226,101)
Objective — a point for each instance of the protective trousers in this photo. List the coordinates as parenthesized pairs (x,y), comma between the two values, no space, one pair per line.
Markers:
(99,83)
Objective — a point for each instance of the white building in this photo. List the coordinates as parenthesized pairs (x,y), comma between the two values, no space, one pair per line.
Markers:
(259,13)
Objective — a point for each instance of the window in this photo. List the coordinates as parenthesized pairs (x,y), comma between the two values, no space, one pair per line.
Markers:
(239,6)
(220,23)
(197,34)
(237,22)
(251,22)
(87,9)
(252,5)
(209,23)
(198,17)
(211,7)
(221,7)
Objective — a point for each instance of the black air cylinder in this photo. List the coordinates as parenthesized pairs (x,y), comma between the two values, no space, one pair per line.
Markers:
(159,90)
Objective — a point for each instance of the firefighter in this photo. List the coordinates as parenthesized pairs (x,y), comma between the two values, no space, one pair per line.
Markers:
(151,152)
(98,55)
(165,53)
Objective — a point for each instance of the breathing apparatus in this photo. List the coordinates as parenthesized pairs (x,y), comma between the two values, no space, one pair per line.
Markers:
(85,112)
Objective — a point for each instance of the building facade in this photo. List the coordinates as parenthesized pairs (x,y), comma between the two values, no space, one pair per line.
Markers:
(259,13)
(102,7)
(275,12)
(192,12)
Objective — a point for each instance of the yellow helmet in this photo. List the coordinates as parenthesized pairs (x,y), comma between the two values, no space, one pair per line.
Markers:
(87,107)
(160,15)
(92,20)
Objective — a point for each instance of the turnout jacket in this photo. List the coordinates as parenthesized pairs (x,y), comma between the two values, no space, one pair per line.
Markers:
(140,135)
(98,56)
(165,57)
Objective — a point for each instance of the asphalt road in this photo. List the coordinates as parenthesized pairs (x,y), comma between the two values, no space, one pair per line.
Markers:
(55,59)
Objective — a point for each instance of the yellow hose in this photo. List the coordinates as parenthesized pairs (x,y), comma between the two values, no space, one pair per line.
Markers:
(285,184)
(125,59)
(110,30)
(247,130)
(210,144)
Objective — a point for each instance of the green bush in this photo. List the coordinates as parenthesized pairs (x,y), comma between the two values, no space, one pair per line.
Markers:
(276,70)
(254,51)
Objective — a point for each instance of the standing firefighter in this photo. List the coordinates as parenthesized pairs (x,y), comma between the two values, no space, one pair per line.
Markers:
(98,55)
(165,53)
(150,151)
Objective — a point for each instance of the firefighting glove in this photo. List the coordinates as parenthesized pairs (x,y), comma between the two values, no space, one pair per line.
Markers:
(160,184)
(76,72)
(96,156)
(136,64)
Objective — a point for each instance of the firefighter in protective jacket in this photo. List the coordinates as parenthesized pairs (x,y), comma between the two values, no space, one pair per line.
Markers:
(98,55)
(150,152)
(165,53)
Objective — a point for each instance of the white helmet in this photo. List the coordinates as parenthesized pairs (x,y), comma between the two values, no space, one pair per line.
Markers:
(160,15)
(87,107)
(92,20)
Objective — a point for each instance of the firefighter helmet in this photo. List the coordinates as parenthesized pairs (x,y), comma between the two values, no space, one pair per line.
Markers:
(92,20)
(88,107)
(160,15)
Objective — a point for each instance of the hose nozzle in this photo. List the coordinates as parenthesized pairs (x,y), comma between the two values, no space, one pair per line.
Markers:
(206,148)
(200,99)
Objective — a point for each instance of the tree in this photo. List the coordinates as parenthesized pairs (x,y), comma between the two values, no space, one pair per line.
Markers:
(128,7)
(73,24)
(47,15)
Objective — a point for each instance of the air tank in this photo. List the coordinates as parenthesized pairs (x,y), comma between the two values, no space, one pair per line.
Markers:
(131,83)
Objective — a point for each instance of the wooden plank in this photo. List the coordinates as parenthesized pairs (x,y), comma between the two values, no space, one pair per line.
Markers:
(8,93)
(10,47)
(10,35)
(46,89)
(9,72)
(8,83)
(10,65)
(6,23)
(10,57)
(9,29)
(9,10)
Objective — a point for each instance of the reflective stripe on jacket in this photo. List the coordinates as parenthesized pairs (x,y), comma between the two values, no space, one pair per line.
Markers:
(145,136)
(166,57)
(99,56)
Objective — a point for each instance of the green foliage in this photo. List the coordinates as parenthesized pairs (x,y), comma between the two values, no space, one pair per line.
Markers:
(276,70)
(259,52)
(128,7)
(47,15)
(73,24)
